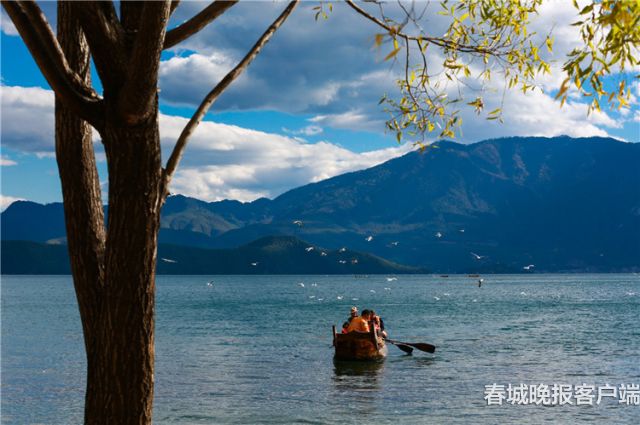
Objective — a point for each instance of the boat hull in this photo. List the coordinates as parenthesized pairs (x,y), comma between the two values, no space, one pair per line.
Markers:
(360,346)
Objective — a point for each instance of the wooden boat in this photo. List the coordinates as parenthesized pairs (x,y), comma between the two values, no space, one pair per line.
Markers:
(359,346)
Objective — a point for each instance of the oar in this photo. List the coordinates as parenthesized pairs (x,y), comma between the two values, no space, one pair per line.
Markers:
(422,346)
(403,347)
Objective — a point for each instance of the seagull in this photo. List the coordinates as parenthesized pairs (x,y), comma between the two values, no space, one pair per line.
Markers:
(168,260)
(438,235)
(436,298)
(309,249)
(446,294)
(342,261)
(301,284)
(523,293)
(339,297)
(324,254)
(529,267)
(461,230)
(320,299)
(298,223)
(391,279)
(354,299)
(312,296)
(343,249)
(372,291)
(255,264)
(395,243)
(478,257)
(369,238)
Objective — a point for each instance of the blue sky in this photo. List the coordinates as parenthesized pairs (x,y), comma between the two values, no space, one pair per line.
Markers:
(307,108)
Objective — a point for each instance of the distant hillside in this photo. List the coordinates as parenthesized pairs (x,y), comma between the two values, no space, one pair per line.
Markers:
(270,255)
(561,204)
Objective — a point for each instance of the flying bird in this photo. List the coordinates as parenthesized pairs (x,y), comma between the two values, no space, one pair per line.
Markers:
(301,285)
(391,279)
(339,297)
(343,249)
(461,230)
(369,238)
(395,243)
(529,267)
(309,249)
(478,257)
(298,223)
(438,235)
(372,291)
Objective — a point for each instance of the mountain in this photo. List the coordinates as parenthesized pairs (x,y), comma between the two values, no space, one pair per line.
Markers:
(270,255)
(560,203)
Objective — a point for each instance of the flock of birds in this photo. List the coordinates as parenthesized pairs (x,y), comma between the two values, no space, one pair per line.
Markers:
(369,238)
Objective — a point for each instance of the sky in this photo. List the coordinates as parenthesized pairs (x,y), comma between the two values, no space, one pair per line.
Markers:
(305,110)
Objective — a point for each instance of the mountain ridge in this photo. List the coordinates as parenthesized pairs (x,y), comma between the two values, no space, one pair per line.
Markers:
(560,203)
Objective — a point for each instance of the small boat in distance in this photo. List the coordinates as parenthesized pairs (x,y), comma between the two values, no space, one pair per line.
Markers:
(358,346)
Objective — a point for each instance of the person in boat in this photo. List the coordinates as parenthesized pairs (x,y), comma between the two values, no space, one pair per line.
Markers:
(360,323)
(354,314)
(378,324)
(345,326)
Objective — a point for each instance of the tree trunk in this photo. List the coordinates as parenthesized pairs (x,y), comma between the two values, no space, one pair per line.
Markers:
(120,388)
(84,214)
(113,274)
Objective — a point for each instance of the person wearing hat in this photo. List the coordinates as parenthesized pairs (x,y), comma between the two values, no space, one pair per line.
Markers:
(354,314)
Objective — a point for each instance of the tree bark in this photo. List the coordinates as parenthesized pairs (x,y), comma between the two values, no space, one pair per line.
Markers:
(114,270)
(121,379)
(84,216)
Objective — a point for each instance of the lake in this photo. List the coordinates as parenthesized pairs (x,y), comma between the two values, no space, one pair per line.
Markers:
(257,349)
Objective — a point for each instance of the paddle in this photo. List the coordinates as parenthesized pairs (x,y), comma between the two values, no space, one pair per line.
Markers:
(403,347)
(419,345)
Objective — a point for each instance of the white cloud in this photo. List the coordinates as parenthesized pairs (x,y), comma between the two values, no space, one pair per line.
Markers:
(6,26)
(226,161)
(27,118)
(309,130)
(5,161)
(5,201)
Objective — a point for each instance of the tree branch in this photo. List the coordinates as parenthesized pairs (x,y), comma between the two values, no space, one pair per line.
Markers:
(197,23)
(213,95)
(435,40)
(45,49)
(140,89)
(174,6)
(106,39)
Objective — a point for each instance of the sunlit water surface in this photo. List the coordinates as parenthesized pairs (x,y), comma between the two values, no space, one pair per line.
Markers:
(253,350)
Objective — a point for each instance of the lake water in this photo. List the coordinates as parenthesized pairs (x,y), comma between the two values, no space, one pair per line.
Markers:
(253,350)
